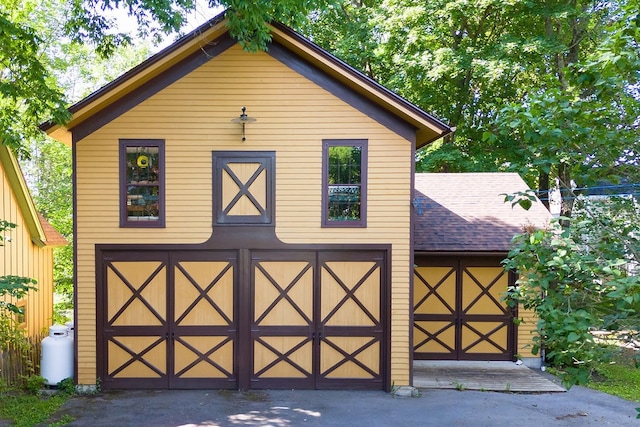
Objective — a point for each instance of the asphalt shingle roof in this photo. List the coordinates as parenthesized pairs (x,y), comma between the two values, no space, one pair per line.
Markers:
(466,212)
(54,238)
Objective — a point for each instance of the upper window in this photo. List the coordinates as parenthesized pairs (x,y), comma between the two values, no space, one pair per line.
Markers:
(141,183)
(344,177)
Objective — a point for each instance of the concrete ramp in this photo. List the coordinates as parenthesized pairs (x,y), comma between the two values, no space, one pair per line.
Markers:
(480,375)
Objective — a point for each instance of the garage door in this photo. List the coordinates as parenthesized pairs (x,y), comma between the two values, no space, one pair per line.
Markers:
(180,319)
(459,311)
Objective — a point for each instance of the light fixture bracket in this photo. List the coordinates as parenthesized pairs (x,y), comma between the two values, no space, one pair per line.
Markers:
(244,119)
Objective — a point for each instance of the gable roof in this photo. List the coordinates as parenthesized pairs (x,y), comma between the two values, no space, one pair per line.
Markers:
(42,233)
(466,212)
(212,38)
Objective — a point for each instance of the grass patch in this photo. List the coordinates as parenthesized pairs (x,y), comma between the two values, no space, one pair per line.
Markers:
(26,410)
(26,406)
(620,377)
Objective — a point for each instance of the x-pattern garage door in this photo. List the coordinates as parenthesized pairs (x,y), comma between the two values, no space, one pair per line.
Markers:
(460,312)
(315,320)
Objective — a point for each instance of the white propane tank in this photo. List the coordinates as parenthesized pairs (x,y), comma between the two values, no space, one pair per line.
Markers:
(70,329)
(56,362)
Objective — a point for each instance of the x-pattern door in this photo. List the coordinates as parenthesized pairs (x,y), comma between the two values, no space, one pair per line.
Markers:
(204,331)
(350,321)
(485,319)
(287,319)
(459,312)
(136,325)
(243,185)
(435,312)
(282,327)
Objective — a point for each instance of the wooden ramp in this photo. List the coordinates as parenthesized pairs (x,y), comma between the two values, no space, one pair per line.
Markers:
(480,375)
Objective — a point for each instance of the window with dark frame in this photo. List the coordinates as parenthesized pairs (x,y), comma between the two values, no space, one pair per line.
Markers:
(142,183)
(344,176)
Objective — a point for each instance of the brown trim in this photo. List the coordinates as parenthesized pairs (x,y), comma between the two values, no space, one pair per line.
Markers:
(244,358)
(153,86)
(220,160)
(412,225)
(74,197)
(431,254)
(343,92)
(326,144)
(124,216)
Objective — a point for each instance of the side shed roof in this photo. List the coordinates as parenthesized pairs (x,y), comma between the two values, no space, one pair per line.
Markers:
(466,212)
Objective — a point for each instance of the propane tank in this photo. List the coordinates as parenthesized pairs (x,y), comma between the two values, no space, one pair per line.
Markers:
(70,329)
(56,362)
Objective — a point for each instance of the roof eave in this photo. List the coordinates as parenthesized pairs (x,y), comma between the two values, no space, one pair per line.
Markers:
(428,127)
(23,197)
(135,77)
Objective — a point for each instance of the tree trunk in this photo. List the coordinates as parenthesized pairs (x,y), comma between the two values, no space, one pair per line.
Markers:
(543,188)
(566,192)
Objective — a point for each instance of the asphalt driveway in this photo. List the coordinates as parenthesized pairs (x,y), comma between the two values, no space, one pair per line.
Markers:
(200,408)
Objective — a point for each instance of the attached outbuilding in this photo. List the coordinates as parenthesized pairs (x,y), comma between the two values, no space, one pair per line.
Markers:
(463,229)
(243,220)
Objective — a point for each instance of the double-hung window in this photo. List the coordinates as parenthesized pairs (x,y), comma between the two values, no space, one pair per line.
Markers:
(142,183)
(344,176)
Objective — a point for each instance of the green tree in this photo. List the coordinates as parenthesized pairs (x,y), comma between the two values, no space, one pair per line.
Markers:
(49,171)
(247,20)
(579,279)
(579,126)
(28,93)
(533,87)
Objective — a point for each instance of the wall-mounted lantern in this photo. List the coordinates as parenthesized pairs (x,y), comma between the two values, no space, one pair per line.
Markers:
(244,119)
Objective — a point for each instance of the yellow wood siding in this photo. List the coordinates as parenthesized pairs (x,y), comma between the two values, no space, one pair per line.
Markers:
(526,332)
(19,256)
(194,116)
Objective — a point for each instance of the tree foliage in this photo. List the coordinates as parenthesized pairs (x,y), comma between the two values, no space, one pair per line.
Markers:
(50,172)
(28,93)
(248,20)
(545,88)
(579,279)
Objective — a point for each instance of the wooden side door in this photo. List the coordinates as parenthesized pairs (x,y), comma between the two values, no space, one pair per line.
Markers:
(133,327)
(435,311)
(282,320)
(350,324)
(486,322)
(168,320)
(203,329)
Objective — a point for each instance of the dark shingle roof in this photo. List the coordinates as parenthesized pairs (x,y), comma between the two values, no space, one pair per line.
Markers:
(466,212)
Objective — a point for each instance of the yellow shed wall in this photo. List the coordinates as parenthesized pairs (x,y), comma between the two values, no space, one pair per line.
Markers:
(193,116)
(19,256)
(526,332)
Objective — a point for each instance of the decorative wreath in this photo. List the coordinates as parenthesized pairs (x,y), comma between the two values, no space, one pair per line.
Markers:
(143,161)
